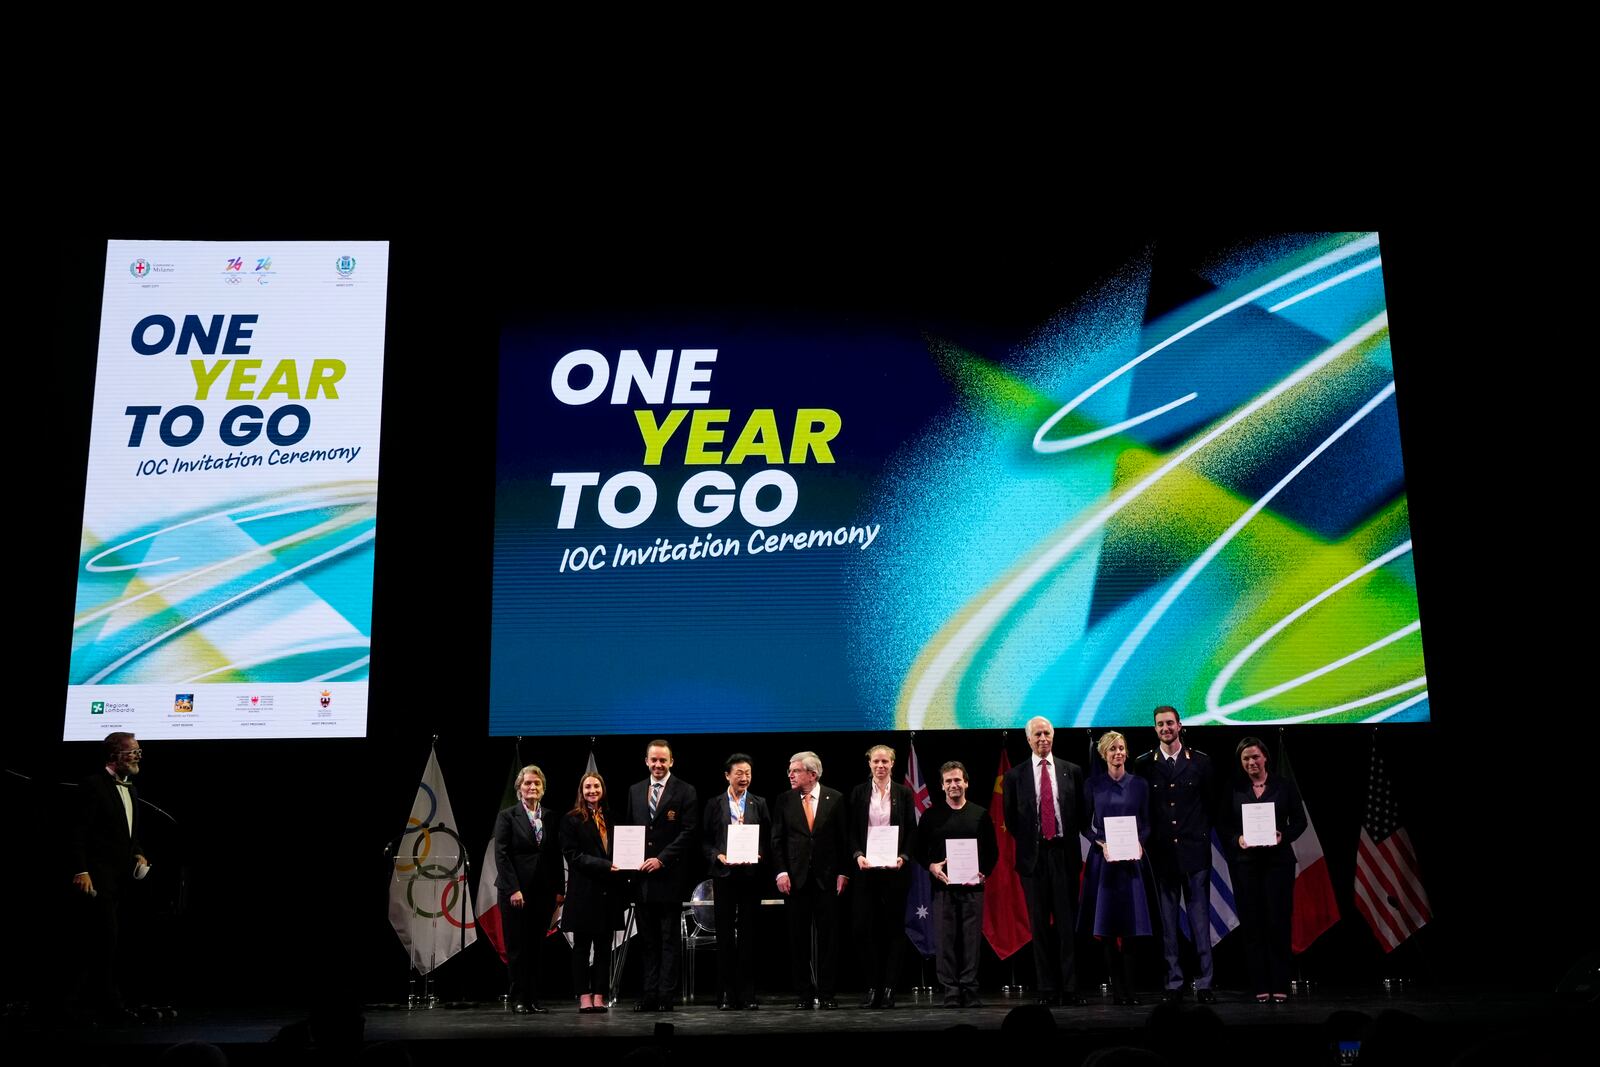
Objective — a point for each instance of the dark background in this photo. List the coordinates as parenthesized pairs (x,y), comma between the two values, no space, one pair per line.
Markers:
(280,843)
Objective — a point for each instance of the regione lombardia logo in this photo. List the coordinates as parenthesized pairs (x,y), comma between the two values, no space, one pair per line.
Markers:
(345,265)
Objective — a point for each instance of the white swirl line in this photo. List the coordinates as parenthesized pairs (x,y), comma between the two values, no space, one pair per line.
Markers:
(193,619)
(1119,659)
(320,646)
(1327,668)
(1067,443)
(1323,713)
(186,576)
(1214,693)
(994,608)
(1338,279)
(93,565)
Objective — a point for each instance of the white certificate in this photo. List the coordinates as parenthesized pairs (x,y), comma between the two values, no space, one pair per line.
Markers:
(961,860)
(1260,824)
(1122,837)
(629,852)
(744,843)
(883,845)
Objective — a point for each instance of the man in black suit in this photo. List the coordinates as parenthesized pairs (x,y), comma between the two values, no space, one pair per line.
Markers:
(1044,811)
(879,898)
(1183,802)
(737,894)
(105,856)
(669,810)
(528,875)
(810,846)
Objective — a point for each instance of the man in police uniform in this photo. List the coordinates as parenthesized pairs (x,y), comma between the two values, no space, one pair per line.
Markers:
(1182,802)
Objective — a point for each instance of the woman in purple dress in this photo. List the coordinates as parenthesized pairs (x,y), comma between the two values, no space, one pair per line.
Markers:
(1116,903)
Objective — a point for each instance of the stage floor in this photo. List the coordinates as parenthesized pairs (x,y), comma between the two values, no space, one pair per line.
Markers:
(1467,1013)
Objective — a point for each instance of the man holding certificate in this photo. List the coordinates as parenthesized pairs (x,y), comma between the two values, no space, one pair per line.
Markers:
(1265,818)
(669,811)
(734,825)
(956,841)
(1116,905)
(882,824)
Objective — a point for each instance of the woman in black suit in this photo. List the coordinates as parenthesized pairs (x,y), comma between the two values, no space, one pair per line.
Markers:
(593,908)
(527,856)
(1263,875)
(736,898)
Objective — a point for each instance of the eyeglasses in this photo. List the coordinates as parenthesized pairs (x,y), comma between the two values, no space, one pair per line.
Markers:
(134,752)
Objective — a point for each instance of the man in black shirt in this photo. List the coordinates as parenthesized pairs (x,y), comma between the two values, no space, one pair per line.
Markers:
(959,906)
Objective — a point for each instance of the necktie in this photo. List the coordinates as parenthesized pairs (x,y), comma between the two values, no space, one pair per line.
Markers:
(600,824)
(805,802)
(538,828)
(655,797)
(1047,803)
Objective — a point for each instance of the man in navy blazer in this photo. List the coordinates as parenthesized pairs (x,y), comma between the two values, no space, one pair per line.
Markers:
(1183,803)
(103,853)
(879,898)
(529,878)
(1044,811)
(669,810)
(810,847)
(736,899)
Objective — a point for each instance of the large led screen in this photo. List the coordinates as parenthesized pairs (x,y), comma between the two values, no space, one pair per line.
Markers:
(742,515)
(225,571)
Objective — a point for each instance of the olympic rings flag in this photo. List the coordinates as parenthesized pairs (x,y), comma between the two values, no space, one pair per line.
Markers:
(429,905)
(224,578)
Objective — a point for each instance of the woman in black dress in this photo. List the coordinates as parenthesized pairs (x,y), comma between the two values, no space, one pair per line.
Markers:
(593,905)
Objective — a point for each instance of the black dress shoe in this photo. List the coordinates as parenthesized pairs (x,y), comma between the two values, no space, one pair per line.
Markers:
(1049,1000)
(886,999)
(827,1004)
(1126,1002)
(1172,996)
(1205,996)
(970,1000)
(804,1005)
(522,1009)
(1072,1000)
(536,1008)
(870,1000)
(752,1004)
(664,1005)
(725,1003)
(644,1005)
(952,1002)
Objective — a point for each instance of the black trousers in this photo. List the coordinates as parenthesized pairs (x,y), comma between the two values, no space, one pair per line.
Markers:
(1264,894)
(960,914)
(878,925)
(660,944)
(525,929)
(591,977)
(736,902)
(1052,891)
(808,904)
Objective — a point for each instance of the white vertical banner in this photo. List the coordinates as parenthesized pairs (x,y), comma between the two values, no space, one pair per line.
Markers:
(224,584)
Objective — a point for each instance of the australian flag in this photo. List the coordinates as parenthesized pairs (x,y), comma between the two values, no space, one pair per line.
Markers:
(920,926)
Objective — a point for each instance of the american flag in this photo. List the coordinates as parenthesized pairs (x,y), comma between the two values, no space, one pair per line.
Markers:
(1389,891)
